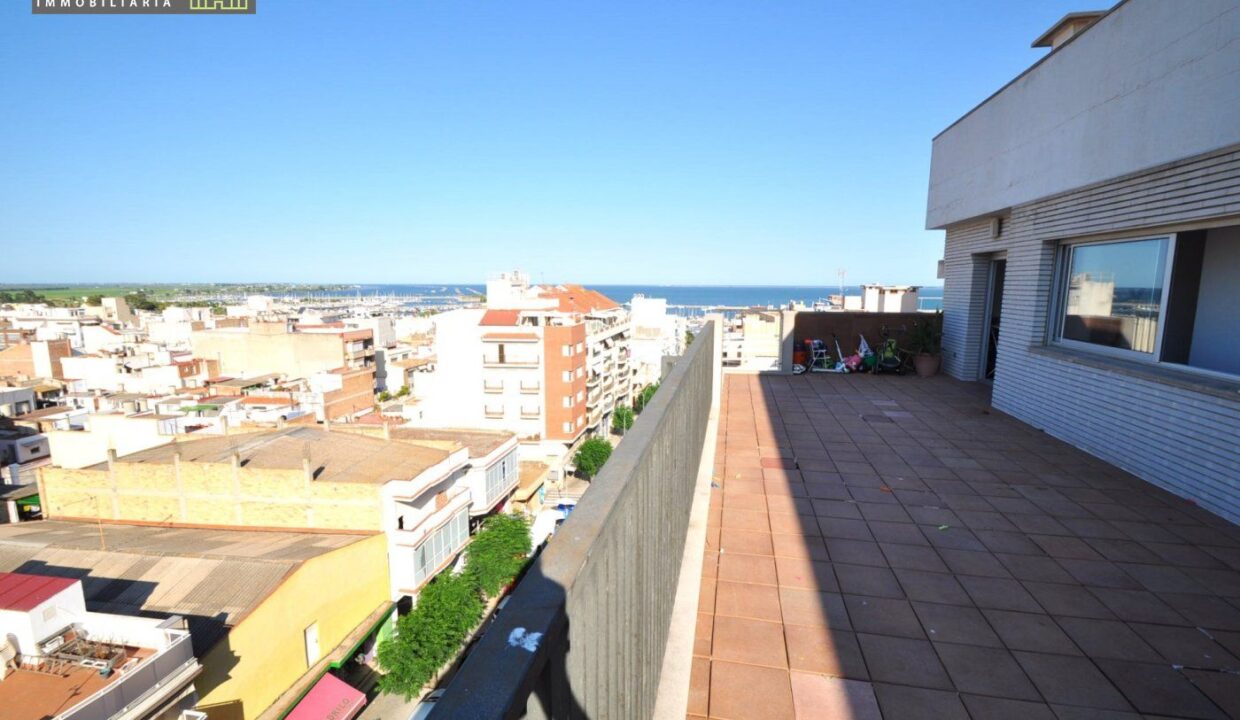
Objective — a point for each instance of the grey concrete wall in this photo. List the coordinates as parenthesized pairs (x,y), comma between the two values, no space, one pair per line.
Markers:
(1216,332)
(1151,83)
(1169,427)
(584,633)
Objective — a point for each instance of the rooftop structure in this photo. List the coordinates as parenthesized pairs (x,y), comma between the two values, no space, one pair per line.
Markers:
(58,659)
(245,596)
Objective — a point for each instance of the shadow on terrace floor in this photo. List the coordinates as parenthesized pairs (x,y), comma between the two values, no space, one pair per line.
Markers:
(892,547)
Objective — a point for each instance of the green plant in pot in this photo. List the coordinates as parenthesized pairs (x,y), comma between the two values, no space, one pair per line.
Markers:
(926,344)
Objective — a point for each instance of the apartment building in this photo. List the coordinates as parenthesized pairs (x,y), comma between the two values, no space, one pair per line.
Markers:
(277,347)
(656,334)
(143,369)
(29,358)
(50,323)
(549,363)
(753,340)
(60,659)
(1092,217)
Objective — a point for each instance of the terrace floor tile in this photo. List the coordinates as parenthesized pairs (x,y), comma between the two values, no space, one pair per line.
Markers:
(1059,587)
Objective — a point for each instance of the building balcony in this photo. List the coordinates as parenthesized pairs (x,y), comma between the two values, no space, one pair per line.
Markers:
(862,546)
(447,504)
(494,361)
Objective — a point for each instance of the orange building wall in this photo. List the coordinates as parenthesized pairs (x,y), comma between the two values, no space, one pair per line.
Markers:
(554,339)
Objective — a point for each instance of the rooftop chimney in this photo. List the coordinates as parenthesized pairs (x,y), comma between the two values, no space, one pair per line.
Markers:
(1068,27)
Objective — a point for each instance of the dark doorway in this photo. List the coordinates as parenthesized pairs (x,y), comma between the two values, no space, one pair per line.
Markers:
(994,311)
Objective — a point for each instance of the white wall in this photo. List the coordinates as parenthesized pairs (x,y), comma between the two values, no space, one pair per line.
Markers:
(26,629)
(1216,331)
(1151,83)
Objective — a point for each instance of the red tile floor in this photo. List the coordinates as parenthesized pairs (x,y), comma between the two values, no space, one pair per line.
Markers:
(893,547)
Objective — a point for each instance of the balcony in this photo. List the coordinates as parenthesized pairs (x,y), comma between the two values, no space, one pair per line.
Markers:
(868,546)
(496,361)
(447,505)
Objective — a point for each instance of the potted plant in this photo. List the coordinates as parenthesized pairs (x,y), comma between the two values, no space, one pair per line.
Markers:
(926,344)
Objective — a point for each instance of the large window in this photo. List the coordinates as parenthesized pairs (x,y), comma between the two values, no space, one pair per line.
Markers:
(500,475)
(442,544)
(1115,293)
(1168,299)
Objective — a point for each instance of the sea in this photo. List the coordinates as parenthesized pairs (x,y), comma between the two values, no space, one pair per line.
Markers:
(685,299)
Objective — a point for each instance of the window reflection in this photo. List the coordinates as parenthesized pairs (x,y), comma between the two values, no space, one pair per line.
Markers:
(1114,294)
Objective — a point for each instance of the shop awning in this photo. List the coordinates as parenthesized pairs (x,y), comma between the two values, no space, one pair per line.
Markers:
(330,699)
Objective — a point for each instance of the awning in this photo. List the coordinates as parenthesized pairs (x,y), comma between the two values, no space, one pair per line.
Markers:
(330,699)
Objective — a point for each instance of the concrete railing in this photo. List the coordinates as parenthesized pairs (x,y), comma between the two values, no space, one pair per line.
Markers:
(584,633)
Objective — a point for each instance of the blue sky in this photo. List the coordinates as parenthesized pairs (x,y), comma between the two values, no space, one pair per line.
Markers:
(378,141)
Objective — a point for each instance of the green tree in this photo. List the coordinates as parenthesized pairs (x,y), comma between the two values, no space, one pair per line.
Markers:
(385,396)
(591,457)
(688,338)
(644,397)
(447,610)
(139,301)
(94,300)
(622,418)
(498,552)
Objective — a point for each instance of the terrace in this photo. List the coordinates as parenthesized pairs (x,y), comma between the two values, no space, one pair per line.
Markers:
(862,547)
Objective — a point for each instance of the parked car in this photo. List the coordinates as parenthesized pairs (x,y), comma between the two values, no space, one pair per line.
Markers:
(423,709)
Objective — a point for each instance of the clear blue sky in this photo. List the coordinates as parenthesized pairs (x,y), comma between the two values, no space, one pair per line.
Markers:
(372,141)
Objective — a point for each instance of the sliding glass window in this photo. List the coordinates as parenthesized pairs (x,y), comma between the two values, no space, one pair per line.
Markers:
(1113,294)
(1170,299)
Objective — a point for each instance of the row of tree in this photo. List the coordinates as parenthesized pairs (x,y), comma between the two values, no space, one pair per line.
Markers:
(449,608)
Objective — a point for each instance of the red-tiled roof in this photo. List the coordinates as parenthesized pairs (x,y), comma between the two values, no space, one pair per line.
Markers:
(500,318)
(22,592)
(575,298)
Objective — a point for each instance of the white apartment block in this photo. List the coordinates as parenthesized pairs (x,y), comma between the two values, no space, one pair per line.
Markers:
(655,335)
(549,363)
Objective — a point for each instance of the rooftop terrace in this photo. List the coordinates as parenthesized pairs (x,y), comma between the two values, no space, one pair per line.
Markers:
(895,548)
(862,547)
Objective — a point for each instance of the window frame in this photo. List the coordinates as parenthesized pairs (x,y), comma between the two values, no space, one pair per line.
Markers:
(1058,308)
(1059,305)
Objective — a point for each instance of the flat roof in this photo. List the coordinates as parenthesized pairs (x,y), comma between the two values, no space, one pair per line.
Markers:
(341,457)
(480,442)
(532,476)
(213,578)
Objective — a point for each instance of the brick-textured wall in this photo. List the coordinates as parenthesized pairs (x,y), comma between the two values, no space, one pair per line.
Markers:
(849,326)
(210,494)
(1165,432)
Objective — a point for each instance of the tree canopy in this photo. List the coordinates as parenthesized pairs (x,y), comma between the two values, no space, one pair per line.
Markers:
(591,457)
(622,418)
